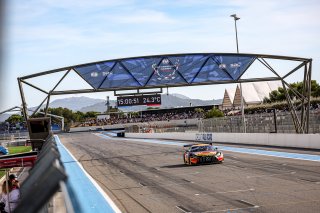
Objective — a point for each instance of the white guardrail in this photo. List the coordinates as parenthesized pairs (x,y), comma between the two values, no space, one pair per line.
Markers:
(309,141)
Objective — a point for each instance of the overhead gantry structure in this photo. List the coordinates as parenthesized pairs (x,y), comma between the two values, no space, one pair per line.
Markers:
(177,70)
(20,109)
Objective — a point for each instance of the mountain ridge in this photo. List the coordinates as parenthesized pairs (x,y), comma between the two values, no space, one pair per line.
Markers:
(86,104)
(167,101)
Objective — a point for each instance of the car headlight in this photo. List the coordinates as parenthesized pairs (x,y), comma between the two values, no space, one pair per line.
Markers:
(218,154)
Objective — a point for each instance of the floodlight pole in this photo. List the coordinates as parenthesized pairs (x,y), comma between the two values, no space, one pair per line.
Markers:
(235,27)
(108,105)
(241,97)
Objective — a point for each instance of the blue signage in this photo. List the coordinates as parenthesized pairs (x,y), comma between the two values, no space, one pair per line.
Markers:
(162,71)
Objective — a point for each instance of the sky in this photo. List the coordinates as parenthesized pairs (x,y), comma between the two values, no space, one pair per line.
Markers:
(41,35)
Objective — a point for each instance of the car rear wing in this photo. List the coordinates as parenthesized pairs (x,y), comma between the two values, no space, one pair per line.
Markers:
(188,145)
(209,143)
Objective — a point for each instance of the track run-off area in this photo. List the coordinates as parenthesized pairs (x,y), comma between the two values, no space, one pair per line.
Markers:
(143,175)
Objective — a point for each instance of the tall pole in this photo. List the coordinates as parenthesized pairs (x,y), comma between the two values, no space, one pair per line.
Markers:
(108,105)
(241,96)
(235,27)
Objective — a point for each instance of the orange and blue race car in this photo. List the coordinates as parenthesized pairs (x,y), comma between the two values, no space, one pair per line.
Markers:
(202,153)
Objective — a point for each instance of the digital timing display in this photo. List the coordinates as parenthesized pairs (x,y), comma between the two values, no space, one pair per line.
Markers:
(139,100)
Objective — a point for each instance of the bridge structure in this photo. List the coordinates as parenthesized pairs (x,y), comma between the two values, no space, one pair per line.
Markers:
(150,74)
(20,109)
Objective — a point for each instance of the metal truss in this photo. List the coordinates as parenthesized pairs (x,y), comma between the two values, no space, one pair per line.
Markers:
(301,122)
(20,109)
(303,103)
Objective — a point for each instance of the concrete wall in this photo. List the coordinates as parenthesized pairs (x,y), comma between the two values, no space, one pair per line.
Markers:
(311,141)
(87,128)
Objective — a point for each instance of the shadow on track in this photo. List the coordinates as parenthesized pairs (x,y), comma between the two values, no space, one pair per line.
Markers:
(184,165)
(175,166)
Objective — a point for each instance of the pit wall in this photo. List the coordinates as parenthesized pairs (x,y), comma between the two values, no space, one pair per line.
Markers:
(309,141)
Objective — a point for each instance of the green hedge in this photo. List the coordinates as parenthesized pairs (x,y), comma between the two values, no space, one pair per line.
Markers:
(277,105)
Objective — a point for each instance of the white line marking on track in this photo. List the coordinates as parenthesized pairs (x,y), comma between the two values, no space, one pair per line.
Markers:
(224,192)
(168,184)
(247,203)
(258,176)
(231,210)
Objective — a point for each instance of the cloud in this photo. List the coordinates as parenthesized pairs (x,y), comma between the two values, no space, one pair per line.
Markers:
(70,5)
(143,17)
(50,34)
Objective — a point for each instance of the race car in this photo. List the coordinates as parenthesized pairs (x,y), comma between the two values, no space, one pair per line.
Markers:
(202,153)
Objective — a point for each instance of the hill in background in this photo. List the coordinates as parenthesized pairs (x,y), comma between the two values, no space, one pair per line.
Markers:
(85,104)
(75,103)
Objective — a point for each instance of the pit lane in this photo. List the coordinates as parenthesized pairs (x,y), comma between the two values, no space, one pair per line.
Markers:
(151,177)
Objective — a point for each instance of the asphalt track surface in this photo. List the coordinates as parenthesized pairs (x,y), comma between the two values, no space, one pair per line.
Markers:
(149,177)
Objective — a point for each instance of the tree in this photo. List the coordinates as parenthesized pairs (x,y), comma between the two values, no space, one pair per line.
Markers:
(15,118)
(199,110)
(91,114)
(214,112)
(279,95)
(68,115)
(78,116)
(266,100)
(315,89)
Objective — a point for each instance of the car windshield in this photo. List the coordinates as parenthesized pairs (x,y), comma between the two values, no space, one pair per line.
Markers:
(201,148)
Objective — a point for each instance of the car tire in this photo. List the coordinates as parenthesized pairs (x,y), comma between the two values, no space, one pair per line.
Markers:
(189,161)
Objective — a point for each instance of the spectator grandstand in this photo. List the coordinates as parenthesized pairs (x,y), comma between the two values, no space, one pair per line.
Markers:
(258,120)
(151,115)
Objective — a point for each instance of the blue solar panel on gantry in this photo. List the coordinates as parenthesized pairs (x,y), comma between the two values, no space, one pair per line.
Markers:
(165,70)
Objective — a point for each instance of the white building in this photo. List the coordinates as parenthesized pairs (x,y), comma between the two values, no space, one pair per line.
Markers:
(253,93)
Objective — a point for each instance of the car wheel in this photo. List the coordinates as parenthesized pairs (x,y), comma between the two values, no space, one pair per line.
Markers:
(189,161)
(184,159)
